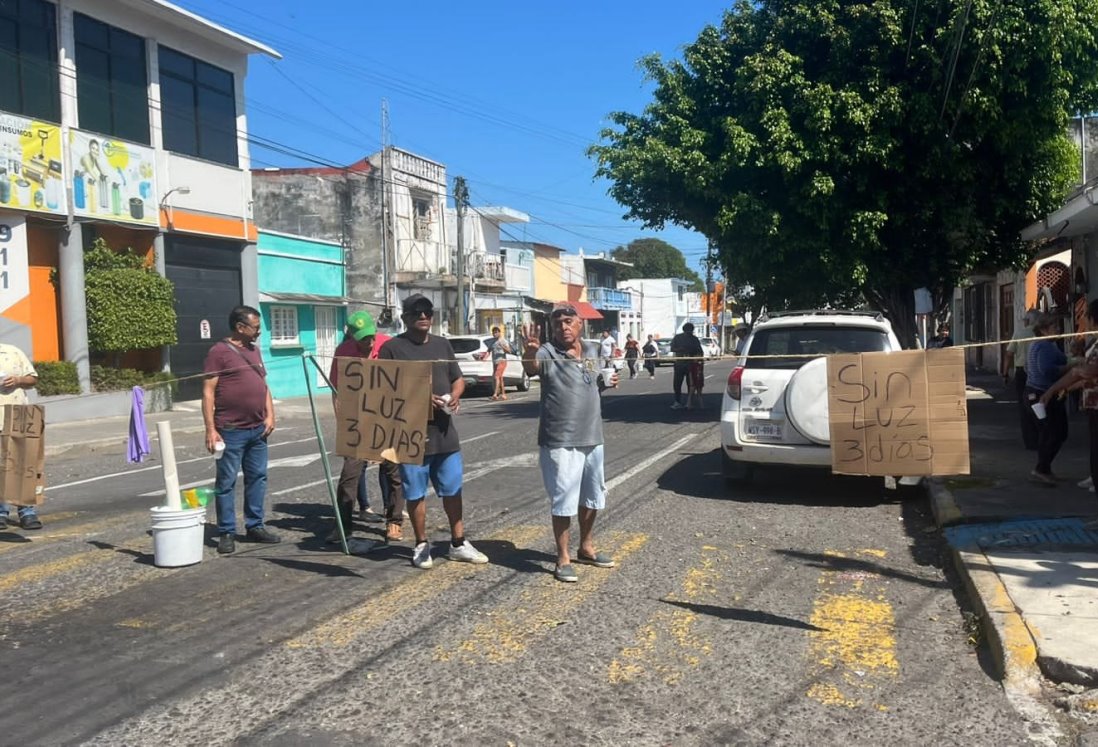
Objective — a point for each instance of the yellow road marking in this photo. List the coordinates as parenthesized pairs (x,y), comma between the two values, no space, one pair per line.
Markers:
(855,646)
(667,643)
(509,632)
(84,529)
(348,626)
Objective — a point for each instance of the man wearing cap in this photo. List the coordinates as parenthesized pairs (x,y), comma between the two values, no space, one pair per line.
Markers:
(570,434)
(442,464)
(1015,360)
(363,341)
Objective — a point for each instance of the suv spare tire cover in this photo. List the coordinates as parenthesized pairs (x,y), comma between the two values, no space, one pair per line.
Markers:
(806,401)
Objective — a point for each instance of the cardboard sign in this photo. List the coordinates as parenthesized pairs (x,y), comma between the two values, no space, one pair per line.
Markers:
(898,414)
(383,407)
(23,454)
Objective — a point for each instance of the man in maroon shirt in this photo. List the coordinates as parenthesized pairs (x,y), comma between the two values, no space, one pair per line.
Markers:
(362,341)
(238,412)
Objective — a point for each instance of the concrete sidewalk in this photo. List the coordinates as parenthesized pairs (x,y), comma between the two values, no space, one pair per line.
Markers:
(185,417)
(1023,549)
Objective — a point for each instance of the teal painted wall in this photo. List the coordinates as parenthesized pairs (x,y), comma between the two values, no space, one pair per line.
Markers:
(301,266)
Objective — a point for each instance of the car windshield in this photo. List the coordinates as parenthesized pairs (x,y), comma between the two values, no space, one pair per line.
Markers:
(663,345)
(811,340)
(708,341)
(465,344)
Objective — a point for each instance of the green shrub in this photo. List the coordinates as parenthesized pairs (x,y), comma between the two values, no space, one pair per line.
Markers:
(108,379)
(130,307)
(57,377)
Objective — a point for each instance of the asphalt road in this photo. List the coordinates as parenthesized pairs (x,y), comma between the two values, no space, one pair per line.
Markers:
(803,609)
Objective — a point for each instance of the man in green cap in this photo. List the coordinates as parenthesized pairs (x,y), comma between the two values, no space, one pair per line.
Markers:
(363,341)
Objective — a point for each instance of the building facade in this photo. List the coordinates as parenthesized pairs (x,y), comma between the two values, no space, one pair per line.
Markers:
(661,306)
(122,120)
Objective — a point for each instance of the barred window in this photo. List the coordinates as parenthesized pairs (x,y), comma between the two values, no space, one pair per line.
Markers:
(283,325)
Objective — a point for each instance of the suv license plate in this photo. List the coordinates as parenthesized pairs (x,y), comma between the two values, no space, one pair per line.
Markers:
(766,430)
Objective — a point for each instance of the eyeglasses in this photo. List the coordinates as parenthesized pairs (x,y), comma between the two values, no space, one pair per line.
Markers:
(252,327)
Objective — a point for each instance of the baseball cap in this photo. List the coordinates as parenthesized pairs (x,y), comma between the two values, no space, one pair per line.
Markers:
(360,324)
(416,303)
(564,309)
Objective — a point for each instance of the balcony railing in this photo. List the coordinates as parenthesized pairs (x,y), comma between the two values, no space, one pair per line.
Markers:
(610,299)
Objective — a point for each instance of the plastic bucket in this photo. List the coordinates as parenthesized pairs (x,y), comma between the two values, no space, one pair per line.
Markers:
(177,535)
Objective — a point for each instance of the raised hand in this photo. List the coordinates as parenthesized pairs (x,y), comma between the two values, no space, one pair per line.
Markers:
(531,338)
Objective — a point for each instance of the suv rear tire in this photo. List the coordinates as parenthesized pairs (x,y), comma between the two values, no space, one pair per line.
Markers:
(736,473)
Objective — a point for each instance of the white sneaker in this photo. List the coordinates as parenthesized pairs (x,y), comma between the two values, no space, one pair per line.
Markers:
(467,553)
(421,557)
(676,406)
(1087,483)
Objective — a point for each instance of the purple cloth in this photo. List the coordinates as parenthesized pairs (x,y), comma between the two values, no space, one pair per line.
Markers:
(139,435)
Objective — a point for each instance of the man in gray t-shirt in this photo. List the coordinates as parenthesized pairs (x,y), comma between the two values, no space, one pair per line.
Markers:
(570,433)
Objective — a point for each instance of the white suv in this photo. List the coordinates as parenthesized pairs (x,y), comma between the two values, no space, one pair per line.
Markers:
(774,410)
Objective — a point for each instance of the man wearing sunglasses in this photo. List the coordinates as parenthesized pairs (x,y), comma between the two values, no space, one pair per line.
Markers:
(570,433)
(442,465)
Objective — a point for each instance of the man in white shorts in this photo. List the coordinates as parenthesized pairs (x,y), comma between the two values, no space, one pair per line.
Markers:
(570,433)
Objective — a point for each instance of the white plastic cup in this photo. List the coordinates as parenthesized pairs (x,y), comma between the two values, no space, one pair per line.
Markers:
(219,449)
(1039,411)
(607,374)
(447,408)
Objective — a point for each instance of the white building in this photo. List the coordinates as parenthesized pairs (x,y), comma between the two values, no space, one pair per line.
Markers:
(660,307)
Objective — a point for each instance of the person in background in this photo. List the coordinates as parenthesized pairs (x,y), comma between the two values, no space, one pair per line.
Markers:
(1014,361)
(570,438)
(740,332)
(238,410)
(500,350)
(1045,364)
(17,375)
(442,464)
(632,351)
(942,339)
(650,351)
(686,349)
(362,340)
(606,349)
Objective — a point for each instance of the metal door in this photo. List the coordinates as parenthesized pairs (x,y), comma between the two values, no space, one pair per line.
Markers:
(327,337)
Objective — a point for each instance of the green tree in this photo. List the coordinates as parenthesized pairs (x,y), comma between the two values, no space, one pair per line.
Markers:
(846,151)
(654,258)
(130,306)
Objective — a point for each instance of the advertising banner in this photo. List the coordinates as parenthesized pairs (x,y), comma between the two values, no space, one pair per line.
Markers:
(14,264)
(112,179)
(31,173)
(898,414)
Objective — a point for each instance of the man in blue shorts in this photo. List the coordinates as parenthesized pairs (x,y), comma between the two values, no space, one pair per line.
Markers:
(570,433)
(442,464)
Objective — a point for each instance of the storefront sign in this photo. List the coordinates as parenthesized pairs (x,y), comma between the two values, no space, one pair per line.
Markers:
(112,179)
(14,269)
(31,173)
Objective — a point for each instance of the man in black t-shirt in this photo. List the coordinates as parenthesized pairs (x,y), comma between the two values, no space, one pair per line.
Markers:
(442,464)
(687,349)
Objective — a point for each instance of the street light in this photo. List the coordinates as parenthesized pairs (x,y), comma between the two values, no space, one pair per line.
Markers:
(169,193)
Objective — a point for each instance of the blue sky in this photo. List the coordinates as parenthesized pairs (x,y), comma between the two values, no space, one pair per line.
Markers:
(506,94)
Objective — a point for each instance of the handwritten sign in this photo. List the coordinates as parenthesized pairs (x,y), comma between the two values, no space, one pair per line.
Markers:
(383,407)
(897,414)
(23,454)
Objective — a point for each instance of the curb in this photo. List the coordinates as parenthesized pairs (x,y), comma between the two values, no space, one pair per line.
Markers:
(1009,640)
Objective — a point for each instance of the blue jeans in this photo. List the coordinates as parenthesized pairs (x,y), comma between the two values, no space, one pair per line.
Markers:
(5,509)
(244,448)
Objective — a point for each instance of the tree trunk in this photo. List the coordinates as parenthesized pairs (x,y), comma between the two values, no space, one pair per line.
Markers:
(898,306)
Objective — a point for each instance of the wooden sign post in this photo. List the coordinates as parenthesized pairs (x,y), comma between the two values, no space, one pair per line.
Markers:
(898,414)
(383,407)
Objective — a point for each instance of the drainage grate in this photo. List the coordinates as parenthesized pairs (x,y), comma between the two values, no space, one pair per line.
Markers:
(1021,533)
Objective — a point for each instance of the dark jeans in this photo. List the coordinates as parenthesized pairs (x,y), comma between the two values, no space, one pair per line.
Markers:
(1052,432)
(682,370)
(1025,412)
(632,366)
(650,366)
(245,448)
(392,490)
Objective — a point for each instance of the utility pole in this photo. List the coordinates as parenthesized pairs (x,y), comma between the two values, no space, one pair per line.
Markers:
(386,179)
(461,199)
(708,288)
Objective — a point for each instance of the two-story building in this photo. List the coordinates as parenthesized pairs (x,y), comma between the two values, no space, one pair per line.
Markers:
(124,120)
(661,306)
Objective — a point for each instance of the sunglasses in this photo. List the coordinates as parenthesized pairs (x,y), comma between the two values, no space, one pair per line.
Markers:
(428,313)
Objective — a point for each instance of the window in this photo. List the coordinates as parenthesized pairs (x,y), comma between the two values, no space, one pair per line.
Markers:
(421,219)
(28,59)
(283,321)
(808,341)
(112,82)
(198,108)
(681,292)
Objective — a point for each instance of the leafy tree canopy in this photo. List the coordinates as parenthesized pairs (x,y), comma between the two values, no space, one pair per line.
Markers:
(839,151)
(654,258)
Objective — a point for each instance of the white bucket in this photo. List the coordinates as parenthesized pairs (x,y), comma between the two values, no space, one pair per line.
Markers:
(177,535)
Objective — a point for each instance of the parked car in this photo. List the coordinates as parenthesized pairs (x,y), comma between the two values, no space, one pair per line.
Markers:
(666,357)
(710,347)
(774,410)
(474,356)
